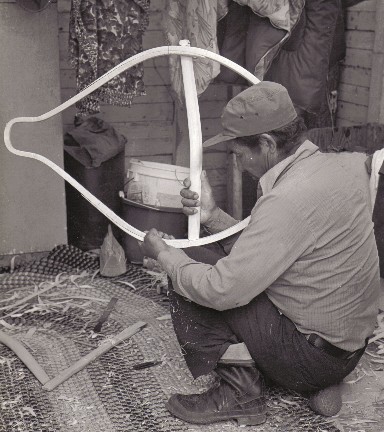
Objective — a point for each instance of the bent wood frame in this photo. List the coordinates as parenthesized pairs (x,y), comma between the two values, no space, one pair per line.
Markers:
(184,51)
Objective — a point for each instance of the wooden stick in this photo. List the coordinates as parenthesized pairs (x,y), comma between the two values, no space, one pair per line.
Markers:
(126,64)
(195,137)
(93,355)
(16,347)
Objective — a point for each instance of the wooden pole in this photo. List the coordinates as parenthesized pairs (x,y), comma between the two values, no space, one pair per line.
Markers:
(195,137)
(93,355)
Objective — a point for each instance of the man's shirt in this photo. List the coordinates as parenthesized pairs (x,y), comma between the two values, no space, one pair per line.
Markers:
(309,245)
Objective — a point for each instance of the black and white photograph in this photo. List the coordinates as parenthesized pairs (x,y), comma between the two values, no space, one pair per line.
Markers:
(192,215)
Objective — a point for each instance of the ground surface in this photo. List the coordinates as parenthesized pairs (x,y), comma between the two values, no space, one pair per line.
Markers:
(363,392)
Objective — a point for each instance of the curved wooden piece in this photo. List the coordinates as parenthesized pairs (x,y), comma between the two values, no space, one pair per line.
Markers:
(15,346)
(138,58)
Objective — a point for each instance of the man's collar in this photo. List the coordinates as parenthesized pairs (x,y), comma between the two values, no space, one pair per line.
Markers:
(268,180)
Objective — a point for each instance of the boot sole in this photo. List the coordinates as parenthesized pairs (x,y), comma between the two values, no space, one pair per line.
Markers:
(242,419)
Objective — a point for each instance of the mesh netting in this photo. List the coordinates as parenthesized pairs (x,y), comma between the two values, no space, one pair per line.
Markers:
(108,395)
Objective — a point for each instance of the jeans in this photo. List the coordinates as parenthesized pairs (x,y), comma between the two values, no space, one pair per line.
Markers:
(281,353)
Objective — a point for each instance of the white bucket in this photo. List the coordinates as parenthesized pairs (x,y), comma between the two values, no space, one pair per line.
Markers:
(155,183)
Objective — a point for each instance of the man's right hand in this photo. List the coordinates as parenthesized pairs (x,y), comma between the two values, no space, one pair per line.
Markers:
(190,199)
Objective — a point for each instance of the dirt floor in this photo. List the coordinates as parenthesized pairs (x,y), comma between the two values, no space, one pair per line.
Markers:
(363,391)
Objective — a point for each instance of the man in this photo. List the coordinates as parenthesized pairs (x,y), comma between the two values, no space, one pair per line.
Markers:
(295,299)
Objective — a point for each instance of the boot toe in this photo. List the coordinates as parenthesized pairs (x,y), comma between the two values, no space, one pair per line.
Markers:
(182,407)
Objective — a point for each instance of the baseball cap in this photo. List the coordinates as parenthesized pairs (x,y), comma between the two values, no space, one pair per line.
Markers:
(260,108)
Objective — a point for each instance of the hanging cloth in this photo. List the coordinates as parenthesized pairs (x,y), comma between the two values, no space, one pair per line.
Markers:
(102,34)
(254,31)
(195,20)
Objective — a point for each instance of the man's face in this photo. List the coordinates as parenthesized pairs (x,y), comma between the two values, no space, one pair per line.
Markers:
(253,161)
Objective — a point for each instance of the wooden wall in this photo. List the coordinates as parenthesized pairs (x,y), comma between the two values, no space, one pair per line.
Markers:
(150,125)
(361,77)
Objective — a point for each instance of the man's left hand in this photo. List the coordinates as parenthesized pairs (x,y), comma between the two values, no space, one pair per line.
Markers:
(153,243)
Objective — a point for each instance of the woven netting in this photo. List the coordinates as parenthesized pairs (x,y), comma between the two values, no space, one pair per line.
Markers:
(108,395)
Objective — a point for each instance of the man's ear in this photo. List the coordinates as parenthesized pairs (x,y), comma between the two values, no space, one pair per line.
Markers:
(268,141)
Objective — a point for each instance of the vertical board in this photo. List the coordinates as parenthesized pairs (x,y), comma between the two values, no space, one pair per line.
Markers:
(356,70)
(32,206)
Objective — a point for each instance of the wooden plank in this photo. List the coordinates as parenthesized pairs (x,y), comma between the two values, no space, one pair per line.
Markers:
(375,109)
(215,92)
(354,94)
(210,127)
(211,109)
(369,136)
(358,57)
(181,143)
(368,5)
(142,130)
(138,147)
(360,20)
(155,94)
(63,6)
(146,130)
(152,76)
(356,76)
(339,138)
(154,38)
(138,112)
(356,113)
(359,39)
(340,122)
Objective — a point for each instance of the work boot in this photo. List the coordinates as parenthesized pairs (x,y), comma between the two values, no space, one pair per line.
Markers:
(238,395)
(326,402)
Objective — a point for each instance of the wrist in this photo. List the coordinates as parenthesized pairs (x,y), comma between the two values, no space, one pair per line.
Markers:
(163,248)
(213,216)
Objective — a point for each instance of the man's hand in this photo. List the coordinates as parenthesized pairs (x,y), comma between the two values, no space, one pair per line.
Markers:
(153,243)
(190,199)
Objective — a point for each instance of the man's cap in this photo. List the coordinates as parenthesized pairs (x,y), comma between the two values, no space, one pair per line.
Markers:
(260,108)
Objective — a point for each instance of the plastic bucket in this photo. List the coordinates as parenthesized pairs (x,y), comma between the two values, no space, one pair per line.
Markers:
(155,184)
(144,217)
